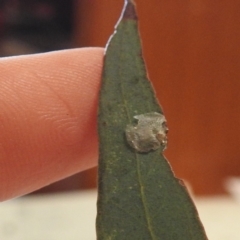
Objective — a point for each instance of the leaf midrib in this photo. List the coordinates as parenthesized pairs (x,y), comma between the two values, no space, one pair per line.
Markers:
(142,193)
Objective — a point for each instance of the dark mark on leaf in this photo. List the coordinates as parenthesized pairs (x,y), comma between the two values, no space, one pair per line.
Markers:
(130,12)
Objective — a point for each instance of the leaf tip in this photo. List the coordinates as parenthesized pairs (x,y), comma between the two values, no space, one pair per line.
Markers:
(130,10)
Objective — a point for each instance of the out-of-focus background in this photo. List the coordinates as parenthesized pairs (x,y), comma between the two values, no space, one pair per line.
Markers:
(192,53)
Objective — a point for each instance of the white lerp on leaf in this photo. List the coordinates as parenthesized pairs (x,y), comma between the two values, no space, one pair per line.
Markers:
(150,133)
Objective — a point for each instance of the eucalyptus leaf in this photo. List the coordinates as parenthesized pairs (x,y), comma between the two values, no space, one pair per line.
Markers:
(138,194)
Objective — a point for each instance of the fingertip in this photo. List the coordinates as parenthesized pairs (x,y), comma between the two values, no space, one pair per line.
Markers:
(48,117)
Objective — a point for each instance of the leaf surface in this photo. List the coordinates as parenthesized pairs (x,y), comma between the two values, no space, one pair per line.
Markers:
(138,194)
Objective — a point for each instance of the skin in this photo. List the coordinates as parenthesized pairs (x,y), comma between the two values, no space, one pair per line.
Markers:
(48,110)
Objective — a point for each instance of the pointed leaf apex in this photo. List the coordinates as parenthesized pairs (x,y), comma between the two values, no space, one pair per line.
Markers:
(129,11)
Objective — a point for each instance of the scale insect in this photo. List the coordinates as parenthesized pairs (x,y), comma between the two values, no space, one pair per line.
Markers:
(150,132)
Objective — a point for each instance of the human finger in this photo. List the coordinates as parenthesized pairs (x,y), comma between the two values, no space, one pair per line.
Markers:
(48,106)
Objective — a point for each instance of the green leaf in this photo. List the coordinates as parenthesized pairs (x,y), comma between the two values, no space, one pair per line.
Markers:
(138,195)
